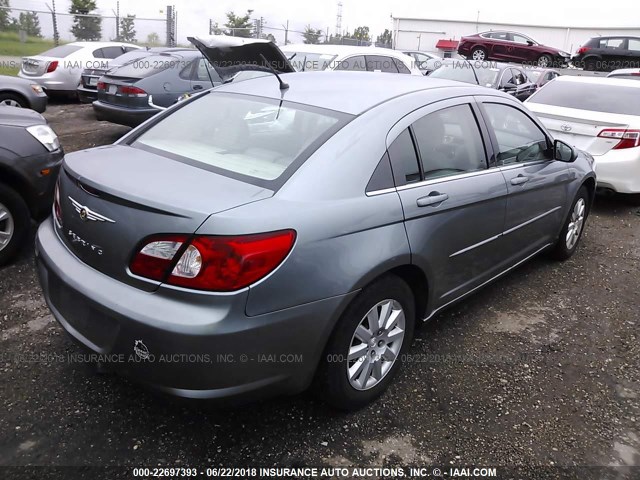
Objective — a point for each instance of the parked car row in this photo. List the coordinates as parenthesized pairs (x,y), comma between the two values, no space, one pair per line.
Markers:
(599,53)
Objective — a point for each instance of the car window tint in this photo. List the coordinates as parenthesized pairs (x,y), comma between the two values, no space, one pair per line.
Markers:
(381,63)
(634,44)
(520,39)
(500,36)
(382,177)
(98,53)
(202,72)
(402,68)
(112,52)
(449,142)
(615,43)
(356,63)
(519,138)
(404,160)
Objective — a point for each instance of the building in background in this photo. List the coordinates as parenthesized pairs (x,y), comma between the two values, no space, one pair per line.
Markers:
(440,35)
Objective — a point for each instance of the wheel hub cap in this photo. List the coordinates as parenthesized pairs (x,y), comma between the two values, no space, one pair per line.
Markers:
(375,344)
(6,226)
(576,223)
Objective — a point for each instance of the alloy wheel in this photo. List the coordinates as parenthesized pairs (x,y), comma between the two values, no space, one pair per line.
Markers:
(376,344)
(478,55)
(9,102)
(576,223)
(7,226)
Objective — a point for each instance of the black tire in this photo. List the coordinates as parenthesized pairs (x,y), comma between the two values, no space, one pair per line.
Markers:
(560,250)
(332,383)
(590,65)
(545,61)
(19,212)
(479,50)
(4,96)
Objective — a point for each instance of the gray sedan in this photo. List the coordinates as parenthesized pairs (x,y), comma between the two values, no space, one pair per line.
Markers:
(18,92)
(262,235)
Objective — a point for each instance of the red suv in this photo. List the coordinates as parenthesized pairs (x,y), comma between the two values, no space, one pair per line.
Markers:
(511,47)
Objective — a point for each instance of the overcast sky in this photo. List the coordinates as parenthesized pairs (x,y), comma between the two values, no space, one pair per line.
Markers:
(194,15)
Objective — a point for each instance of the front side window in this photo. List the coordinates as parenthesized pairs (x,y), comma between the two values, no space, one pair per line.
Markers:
(519,77)
(521,39)
(519,138)
(251,138)
(402,68)
(450,142)
(356,63)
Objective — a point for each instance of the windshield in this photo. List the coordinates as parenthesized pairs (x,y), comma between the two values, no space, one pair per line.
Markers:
(533,75)
(594,97)
(242,136)
(305,62)
(61,52)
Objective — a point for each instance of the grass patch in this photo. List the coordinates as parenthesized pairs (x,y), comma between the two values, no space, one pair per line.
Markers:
(8,70)
(11,46)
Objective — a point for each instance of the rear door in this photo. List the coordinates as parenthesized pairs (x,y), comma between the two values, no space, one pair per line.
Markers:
(537,184)
(501,47)
(454,204)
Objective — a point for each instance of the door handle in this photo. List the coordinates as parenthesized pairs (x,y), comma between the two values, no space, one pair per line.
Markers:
(519,180)
(197,87)
(432,199)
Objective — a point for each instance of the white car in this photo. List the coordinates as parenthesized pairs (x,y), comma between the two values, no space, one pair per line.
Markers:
(59,69)
(630,73)
(600,116)
(344,57)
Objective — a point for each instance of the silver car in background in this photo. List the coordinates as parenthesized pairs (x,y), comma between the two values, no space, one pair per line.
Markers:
(59,69)
(272,232)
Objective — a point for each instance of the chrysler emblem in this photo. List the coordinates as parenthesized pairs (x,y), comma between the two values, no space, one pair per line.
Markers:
(565,128)
(87,214)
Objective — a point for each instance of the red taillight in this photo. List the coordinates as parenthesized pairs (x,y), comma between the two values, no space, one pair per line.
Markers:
(582,50)
(102,86)
(52,66)
(212,263)
(132,91)
(627,138)
(57,211)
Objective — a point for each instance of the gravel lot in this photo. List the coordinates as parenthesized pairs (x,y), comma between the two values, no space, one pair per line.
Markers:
(539,369)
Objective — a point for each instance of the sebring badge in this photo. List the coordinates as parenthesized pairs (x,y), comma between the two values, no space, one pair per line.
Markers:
(87,214)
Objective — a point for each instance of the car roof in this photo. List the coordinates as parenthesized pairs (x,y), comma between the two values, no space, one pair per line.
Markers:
(343,91)
(329,49)
(101,44)
(599,80)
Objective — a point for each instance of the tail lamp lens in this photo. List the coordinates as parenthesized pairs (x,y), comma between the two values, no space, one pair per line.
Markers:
(52,66)
(131,91)
(627,138)
(212,263)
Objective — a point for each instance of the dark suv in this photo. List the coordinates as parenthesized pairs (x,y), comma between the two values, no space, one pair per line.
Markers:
(609,53)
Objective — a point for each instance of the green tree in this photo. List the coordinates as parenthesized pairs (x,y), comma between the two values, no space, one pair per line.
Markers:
(385,38)
(153,39)
(239,26)
(5,20)
(30,23)
(362,34)
(270,37)
(85,28)
(128,29)
(311,35)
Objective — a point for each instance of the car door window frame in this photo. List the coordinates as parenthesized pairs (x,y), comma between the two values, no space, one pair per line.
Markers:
(481,101)
(407,121)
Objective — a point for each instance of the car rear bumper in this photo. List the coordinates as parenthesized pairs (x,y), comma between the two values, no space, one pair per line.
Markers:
(131,117)
(619,170)
(87,95)
(54,82)
(187,344)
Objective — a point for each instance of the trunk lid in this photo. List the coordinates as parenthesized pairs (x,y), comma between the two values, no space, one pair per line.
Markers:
(230,55)
(581,128)
(114,94)
(36,66)
(114,197)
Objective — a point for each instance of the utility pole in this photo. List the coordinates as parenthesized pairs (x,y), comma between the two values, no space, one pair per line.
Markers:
(117,14)
(210,27)
(286,33)
(56,34)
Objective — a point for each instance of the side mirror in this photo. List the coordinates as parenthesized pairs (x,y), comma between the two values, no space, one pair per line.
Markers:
(530,43)
(563,152)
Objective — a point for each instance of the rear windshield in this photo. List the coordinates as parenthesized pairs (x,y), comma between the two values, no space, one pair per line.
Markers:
(464,72)
(590,96)
(128,57)
(150,65)
(305,62)
(62,51)
(250,138)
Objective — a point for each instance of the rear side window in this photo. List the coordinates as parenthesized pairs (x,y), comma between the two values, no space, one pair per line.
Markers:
(590,96)
(380,63)
(250,138)
(402,68)
(634,45)
(62,51)
(449,142)
(112,52)
(404,160)
(356,63)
